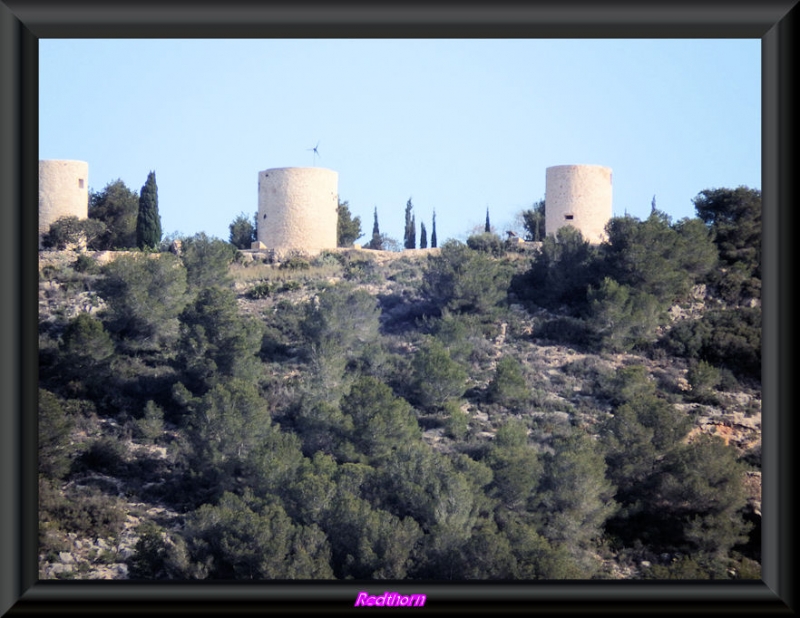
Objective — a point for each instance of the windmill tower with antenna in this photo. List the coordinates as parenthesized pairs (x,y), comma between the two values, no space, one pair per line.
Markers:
(315,151)
(298,209)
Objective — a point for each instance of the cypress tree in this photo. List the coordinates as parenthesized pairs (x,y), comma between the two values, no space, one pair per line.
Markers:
(433,232)
(376,243)
(488,227)
(412,237)
(423,236)
(148,222)
(409,236)
(376,229)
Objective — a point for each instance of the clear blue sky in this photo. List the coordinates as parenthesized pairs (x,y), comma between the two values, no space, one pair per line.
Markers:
(455,125)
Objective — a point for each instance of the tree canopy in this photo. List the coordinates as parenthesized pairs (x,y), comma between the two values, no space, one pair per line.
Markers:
(242,231)
(533,222)
(348,228)
(734,218)
(145,296)
(464,280)
(734,215)
(117,207)
(75,233)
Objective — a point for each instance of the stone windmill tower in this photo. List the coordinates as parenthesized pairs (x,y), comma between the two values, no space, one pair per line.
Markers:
(298,209)
(580,196)
(63,192)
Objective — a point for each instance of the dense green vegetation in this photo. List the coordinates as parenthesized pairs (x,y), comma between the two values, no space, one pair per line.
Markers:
(341,417)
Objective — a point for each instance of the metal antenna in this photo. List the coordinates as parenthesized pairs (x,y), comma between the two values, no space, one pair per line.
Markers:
(316,152)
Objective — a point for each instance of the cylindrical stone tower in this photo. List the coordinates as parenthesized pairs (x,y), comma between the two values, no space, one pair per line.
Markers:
(297,208)
(63,192)
(580,196)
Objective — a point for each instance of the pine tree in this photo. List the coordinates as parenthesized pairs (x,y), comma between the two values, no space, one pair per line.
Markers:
(488,227)
(348,228)
(433,232)
(423,236)
(242,232)
(533,221)
(148,222)
(117,207)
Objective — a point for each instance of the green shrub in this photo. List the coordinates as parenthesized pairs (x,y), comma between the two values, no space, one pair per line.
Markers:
(361,269)
(465,281)
(260,291)
(145,295)
(487,243)
(729,338)
(703,378)
(328,259)
(87,265)
(290,286)
(105,455)
(73,231)
(295,263)
(457,423)
(508,386)
(565,329)
(586,368)
(151,426)
(207,261)
(683,568)
(623,317)
(240,540)
(437,377)
(86,348)
(745,568)
(560,272)
(55,425)
(85,511)
(160,555)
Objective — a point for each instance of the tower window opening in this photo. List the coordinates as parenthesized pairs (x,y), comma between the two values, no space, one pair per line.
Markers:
(80,183)
(569,217)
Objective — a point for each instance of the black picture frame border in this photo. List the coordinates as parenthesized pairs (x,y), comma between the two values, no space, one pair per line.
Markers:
(24,22)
